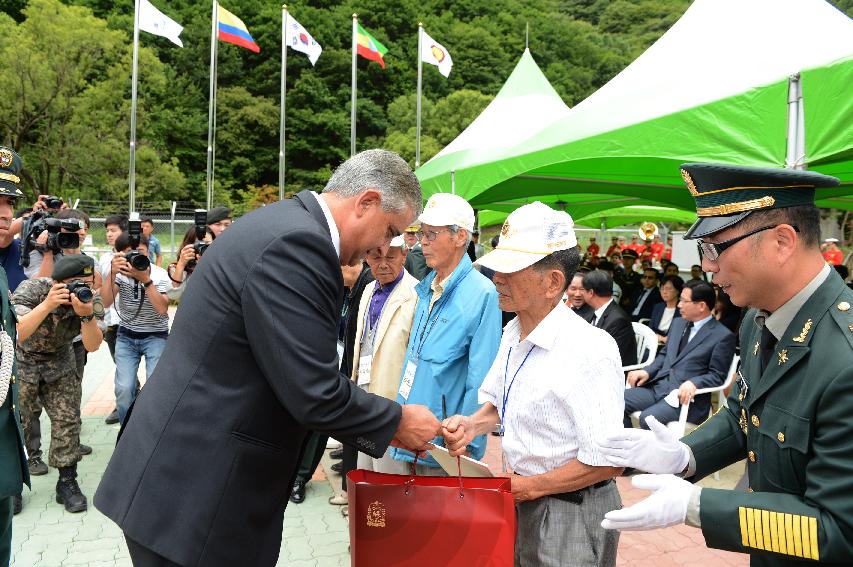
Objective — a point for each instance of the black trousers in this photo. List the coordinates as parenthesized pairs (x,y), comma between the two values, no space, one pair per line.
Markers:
(311,455)
(143,557)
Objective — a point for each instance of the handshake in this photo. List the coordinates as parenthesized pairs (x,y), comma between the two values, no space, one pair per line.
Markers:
(418,426)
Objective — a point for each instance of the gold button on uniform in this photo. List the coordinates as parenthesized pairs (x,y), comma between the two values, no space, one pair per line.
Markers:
(751,457)
(755,421)
(781,437)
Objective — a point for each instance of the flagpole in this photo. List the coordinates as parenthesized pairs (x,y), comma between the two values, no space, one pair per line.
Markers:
(283,99)
(418,99)
(134,92)
(352,103)
(211,111)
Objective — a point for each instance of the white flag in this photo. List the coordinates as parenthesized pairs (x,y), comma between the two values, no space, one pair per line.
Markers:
(154,21)
(434,53)
(299,39)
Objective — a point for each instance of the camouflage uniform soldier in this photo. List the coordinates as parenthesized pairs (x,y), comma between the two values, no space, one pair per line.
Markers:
(49,317)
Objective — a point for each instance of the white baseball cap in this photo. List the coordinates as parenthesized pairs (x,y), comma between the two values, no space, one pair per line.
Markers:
(529,234)
(397,242)
(831,240)
(445,209)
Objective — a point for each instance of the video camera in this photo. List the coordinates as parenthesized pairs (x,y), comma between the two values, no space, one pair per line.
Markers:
(57,241)
(135,258)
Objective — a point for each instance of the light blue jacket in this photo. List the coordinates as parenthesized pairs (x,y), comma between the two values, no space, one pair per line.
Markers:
(457,344)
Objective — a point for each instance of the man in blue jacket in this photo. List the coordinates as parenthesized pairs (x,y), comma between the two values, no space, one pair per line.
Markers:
(456,330)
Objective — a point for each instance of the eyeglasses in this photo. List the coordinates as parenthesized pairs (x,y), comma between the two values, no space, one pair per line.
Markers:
(430,235)
(712,251)
(682,300)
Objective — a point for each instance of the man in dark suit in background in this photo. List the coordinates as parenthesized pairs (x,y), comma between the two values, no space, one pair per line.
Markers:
(576,299)
(697,355)
(206,459)
(645,298)
(598,292)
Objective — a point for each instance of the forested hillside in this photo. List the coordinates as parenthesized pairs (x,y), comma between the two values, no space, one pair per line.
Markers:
(66,66)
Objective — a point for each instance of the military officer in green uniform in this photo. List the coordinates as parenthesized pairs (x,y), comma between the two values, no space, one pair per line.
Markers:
(628,279)
(13,468)
(51,312)
(789,412)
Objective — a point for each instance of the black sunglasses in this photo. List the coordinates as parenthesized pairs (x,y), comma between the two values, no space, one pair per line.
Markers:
(712,251)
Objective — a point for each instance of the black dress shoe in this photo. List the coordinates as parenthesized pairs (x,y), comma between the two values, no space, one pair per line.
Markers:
(85,449)
(112,418)
(337,454)
(17,504)
(297,495)
(337,467)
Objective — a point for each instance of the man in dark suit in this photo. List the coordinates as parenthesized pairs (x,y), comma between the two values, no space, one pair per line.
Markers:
(598,292)
(645,298)
(207,456)
(697,355)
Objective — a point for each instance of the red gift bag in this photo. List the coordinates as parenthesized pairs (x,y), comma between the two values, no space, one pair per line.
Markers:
(408,521)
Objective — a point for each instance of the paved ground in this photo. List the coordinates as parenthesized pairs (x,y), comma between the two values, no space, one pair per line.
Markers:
(315,533)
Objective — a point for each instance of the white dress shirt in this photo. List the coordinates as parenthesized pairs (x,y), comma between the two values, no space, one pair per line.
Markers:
(330,220)
(568,393)
(600,312)
(697,326)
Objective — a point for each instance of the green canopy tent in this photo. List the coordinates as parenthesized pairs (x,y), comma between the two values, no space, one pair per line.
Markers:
(610,218)
(690,97)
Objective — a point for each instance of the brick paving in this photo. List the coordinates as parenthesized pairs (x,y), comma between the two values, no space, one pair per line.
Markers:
(315,533)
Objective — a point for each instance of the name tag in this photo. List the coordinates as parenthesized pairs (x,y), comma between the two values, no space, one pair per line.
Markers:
(408,380)
(365,365)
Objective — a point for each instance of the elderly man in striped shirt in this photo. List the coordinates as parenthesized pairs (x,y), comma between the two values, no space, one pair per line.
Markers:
(555,386)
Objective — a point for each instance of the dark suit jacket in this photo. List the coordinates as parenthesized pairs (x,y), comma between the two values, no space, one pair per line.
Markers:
(704,361)
(657,314)
(616,322)
(646,310)
(202,471)
(586,312)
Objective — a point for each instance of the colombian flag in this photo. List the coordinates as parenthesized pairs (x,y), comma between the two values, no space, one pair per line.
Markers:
(233,30)
(369,47)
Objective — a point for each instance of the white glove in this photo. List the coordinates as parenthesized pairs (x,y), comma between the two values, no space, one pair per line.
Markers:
(656,451)
(667,506)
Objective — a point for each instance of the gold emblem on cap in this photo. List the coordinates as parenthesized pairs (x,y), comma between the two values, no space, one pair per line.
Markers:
(689,181)
(802,336)
(730,208)
(783,356)
(87,271)
(6,157)
(376,515)
(843,306)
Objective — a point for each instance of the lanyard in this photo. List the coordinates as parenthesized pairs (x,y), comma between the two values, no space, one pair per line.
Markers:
(508,390)
(368,330)
(431,321)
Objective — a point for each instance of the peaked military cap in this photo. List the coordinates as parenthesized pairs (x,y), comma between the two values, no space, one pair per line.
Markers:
(73,265)
(726,194)
(629,253)
(10,170)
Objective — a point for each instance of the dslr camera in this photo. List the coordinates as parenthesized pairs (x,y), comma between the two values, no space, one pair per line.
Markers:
(52,203)
(81,290)
(199,247)
(135,258)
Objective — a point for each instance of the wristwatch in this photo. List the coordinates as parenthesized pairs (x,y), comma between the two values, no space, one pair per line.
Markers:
(148,283)
(87,318)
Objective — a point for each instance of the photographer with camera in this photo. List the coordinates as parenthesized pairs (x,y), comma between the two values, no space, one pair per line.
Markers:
(192,247)
(47,233)
(51,312)
(114,225)
(139,289)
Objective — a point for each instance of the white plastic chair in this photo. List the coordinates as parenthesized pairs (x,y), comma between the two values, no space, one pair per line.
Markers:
(680,426)
(647,340)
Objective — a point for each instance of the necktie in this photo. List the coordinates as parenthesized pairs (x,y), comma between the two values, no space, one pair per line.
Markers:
(768,345)
(685,337)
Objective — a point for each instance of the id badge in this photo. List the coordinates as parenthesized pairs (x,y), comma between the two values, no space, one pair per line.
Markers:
(365,365)
(408,379)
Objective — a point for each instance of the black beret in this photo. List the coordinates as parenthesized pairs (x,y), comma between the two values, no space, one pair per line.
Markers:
(73,265)
(218,214)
